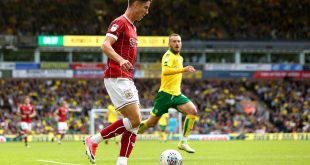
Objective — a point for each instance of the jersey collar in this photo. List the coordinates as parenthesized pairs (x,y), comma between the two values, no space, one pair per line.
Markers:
(172,52)
(128,19)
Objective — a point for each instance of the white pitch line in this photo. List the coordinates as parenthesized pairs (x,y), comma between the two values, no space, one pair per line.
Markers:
(54,162)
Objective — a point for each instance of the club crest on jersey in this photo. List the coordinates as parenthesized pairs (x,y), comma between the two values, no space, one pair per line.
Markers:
(114,27)
(133,42)
(128,94)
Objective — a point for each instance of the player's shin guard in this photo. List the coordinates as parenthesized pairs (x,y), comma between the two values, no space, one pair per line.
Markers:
(143,126)
(127,143)
(188,126)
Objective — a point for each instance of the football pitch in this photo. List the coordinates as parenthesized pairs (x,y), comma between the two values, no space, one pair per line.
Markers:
(148,153)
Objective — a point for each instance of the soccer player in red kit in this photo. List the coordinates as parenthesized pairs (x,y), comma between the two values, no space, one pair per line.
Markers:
(61,117)
(120,45)
(26,111)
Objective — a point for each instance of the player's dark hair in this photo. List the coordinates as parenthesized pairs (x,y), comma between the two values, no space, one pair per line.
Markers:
(130,2)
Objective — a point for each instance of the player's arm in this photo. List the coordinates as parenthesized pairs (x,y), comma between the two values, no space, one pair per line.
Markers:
(19,112)
(110,52)
(167,68)
(114,31)
(33,114)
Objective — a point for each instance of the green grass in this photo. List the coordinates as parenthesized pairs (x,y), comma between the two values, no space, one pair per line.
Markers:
(147,153)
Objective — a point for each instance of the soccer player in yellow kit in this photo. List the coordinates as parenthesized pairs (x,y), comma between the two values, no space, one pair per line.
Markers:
(169,94)
(163,122)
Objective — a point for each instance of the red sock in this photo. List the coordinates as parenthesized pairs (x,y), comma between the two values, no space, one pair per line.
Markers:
(127,143)
(113,130)
(26,139)
(62,136)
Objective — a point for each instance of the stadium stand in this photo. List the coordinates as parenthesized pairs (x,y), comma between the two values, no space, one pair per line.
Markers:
(228,19)
(220,103)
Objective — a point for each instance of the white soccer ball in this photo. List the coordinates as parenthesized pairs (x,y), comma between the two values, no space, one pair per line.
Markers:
(170,157)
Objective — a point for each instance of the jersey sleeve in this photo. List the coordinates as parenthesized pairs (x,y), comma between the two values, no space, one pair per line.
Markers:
(115,29)
(168,67)
(167,61)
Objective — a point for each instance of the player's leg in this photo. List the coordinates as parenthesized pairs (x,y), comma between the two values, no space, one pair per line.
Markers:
(185,106)
(161,105)
(62,136)
(163,135)
(114,139)
(63,127)
(124,96)
(131,112)
(24,132)
(27,130)
(21,132)
(148,123)
(57,132)
(116,128)
(191,116)
(171,132)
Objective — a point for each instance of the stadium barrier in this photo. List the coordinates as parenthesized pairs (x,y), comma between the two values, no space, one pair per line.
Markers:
(48,138)
(278,136)
(198,137)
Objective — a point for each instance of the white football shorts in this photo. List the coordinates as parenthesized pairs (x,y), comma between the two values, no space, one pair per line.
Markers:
(122,92)
(62,127)
(25,126)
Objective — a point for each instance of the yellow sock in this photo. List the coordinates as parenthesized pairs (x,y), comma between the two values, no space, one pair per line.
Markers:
(161,135)
(188,125)
(143,126)
(164,136)
(58,136)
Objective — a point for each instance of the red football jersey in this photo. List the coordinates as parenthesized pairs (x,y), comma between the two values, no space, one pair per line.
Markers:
(125,34)
(62,114)
(26,110)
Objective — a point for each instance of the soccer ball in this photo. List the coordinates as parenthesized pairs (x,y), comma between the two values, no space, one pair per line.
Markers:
(170,157)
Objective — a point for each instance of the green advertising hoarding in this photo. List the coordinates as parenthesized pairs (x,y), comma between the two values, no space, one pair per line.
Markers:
(50,41)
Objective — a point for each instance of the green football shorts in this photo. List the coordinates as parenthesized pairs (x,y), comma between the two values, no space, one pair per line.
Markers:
(162,127)
(164,101)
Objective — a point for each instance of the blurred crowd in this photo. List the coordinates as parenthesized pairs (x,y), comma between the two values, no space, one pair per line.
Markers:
(289,102)
(194,19)
(224,106)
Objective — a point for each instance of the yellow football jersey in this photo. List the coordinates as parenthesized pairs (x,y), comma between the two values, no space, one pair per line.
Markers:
(171,83)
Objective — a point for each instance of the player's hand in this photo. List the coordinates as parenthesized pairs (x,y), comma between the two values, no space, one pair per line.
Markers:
(125,65)
(189,69)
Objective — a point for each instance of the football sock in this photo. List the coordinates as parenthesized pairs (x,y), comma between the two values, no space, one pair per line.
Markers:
(143,126)
(121,161)
(26,140)
(188,126)
(97,138)
(127,143)
(164,136)
(116,128)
